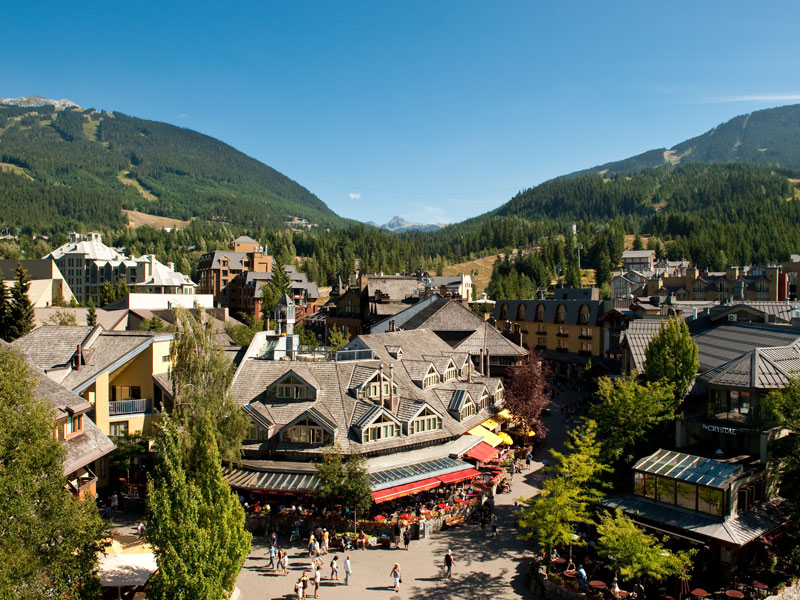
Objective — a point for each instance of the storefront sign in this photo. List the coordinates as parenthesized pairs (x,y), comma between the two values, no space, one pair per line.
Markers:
(717,429)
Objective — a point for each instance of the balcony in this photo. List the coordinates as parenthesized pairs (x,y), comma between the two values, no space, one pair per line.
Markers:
(130,407)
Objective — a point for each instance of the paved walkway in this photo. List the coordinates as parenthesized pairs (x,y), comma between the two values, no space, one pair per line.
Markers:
(486,568)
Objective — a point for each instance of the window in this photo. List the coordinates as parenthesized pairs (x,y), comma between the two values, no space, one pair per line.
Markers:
(255,432)
(540,312)
(586,331)
(563,330)
(686,495)
(709,500)
(484,402)
(561,314)
(498,395)
(224,263)
(306,432)
(541,328)
(450,373)
(583,317)
(165,358)
(542,341)
(521,312)
(432,378)
(562,344)
(74,425)
(468,410)
(586,346)
(385,428)
(118,429)
(425,422)
(291,388)
(665,490)
(125,392)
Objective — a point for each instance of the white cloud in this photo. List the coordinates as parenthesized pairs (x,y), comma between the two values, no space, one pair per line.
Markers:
(754,98)
(182,116)
(354,196)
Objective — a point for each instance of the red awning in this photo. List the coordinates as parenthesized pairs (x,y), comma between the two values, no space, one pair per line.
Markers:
(482,452)
(459,475)
(407,489)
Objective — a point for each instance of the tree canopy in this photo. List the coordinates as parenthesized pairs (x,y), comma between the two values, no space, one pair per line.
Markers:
(526,396)
(671,357)
(49,540)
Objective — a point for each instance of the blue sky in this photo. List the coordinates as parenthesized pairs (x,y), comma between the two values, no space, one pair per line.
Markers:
(436,111)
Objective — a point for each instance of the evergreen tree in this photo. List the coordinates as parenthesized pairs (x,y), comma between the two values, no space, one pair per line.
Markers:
(154,323)
(5,312)
(91,315)
(671,356)
(195,523)
(21,314)
(108,294)
(201,377)
(637,243)
(338,338)
(273,291)
(603,271)
(49,540)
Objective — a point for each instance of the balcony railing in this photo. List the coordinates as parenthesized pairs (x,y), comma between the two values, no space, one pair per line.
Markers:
(130,407)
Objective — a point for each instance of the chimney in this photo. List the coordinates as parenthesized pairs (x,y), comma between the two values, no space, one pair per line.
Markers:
(78,358)
(469,369)
(171,266)
(391,386)
(488,371)
(380,383)
(481,363)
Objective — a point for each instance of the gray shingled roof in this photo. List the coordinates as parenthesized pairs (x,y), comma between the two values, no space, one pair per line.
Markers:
(724,343)
(336,401)
(761,368)
(417,369)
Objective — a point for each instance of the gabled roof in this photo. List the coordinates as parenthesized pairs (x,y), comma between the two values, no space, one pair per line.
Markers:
(316,416)
(459,399)
(302,373)
(418,369)
(361,374)
(441,363)
(371,415)
(488,339)
(258,413)
(759,369)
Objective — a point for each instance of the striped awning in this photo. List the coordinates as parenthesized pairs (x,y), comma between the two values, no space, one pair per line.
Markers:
(482,452)
(405,490)
(247,479)
(459,476)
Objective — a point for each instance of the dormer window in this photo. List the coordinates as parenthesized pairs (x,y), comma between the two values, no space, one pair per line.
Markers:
(431,379)
(372,388)
(468,410)
(451,372)
(292,387)
(427,421)
(73,425)
(381,429)
(256,433)
(561,314)
(306,431)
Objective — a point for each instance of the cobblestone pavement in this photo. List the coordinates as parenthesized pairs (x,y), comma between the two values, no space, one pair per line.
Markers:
(486,568)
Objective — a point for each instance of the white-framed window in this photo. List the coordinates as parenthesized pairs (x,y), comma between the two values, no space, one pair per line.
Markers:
(431,379)
(306,431)
(586,331)
(498,395)
(425,422)
(563,330)
(467,410)
(383,428)
(542,341)
(450,373)
(562,344)
(541,328)
(484,401)
(291,388)
(372,389)
(586,346)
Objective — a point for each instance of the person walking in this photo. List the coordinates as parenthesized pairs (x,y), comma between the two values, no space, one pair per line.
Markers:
(396,534)
(494,525)
(317,580)
(348,570)
(325,540)
(335,567)
(396,576)
(273,552)
(306,583)
(298,588)
(407,537)
(448,564)
(285,562)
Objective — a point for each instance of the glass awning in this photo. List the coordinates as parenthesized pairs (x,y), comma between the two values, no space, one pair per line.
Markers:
(689,468)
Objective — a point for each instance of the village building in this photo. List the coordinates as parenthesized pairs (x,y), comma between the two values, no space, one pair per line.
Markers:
(217,269)
(48,286)
(87,265)
(84,444)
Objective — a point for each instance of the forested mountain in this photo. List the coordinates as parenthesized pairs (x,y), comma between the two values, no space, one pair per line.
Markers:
(72,166)
(768,137)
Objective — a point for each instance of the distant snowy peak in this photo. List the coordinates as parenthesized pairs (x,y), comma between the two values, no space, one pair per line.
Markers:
(399,225)
(39,101)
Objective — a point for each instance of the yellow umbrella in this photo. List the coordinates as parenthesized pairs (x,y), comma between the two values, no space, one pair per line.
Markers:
(506,438)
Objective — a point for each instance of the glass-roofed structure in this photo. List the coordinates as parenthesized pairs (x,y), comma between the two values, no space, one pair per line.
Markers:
(691,482)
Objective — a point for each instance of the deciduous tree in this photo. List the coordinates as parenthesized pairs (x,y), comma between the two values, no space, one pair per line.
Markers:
(201,377)
(195,523)
(526,396)
(344,481)
(627,411)
(62,318)
(671,357)
(49,540)
(637,554)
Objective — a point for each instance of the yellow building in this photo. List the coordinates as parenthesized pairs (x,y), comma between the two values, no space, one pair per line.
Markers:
(113,370)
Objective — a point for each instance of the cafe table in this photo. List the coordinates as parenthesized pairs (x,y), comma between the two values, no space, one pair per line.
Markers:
(699,593)
(597,584)
(734,594)
(570,573)
(380,518)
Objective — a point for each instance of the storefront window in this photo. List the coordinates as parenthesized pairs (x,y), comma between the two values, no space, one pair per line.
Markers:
(638,483)
(650,486)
